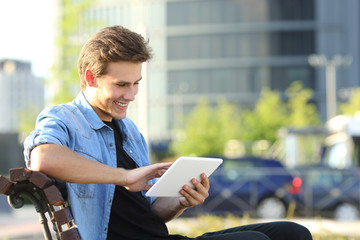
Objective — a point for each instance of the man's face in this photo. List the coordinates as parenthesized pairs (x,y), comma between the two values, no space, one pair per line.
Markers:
(112,92)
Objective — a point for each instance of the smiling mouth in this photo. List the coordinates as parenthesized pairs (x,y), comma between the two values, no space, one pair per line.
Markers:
(121,104)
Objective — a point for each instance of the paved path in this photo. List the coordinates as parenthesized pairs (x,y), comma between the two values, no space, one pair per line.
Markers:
(20,224)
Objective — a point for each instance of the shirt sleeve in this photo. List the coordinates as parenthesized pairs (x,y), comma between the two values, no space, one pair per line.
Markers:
(50,129)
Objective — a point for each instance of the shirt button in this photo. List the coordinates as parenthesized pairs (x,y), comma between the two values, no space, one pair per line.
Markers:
(110,144)
(105,229)
(130,151)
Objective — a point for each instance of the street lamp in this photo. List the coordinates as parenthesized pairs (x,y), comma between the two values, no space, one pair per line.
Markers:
(330,66)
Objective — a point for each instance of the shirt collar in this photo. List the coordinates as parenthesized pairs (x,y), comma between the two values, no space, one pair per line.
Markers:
(89,113)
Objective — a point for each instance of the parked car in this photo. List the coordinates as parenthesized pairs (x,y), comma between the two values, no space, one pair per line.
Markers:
(330,192)
(261,187)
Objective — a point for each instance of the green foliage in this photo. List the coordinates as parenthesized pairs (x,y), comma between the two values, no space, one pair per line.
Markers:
(301,112)
(206,130)
(64,75)
(353,105)
(71,28)
(267,117)
(193,227)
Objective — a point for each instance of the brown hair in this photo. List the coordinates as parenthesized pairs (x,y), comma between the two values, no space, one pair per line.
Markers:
(111,44)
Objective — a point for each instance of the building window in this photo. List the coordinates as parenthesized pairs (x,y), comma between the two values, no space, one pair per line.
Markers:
(232,45)
(234,11)
(282,77)
(238,80)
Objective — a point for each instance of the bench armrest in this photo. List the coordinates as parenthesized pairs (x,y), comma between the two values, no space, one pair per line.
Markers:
(43,193)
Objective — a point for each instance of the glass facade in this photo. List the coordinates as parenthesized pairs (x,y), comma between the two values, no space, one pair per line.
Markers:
(235,48)
(232,45)
(216,81)
(237,11)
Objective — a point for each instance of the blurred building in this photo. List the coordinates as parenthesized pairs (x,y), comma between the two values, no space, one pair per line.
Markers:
(232,49)
(20,90)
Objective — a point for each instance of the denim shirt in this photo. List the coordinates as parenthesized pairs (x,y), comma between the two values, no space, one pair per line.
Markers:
(77,126)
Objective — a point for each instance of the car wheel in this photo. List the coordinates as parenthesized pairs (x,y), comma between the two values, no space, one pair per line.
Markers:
(271,207)
(346,212)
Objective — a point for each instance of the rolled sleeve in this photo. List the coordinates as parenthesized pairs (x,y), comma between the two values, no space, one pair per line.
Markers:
(49,130)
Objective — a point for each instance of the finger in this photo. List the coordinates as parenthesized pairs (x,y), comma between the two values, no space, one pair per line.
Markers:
(194,196)
(205,181)
(200,188)
(163,166)
(160,173)
(188,199)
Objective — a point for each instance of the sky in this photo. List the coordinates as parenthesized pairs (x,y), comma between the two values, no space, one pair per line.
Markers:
(26,32)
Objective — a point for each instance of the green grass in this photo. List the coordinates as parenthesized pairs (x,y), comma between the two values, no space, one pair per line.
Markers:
(193,227)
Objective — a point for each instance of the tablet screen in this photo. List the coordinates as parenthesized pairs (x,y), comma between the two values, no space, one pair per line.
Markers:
(181,173)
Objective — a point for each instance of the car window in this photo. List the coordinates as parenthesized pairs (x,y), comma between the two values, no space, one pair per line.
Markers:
(336,155)
(325,179)
(241,171)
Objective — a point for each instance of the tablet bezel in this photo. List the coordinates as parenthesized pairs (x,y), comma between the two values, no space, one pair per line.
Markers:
(180,173)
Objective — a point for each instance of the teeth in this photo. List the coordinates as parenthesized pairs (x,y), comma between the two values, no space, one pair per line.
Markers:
(121,104)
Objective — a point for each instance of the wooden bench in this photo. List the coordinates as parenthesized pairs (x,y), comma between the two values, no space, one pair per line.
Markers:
(44,194)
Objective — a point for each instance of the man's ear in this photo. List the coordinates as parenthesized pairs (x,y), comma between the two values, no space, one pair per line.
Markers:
(89,78)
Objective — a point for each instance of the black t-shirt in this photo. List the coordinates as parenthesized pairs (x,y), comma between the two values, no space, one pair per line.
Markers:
(131,216)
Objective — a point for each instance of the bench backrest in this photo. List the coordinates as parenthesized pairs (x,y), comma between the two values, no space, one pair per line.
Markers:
(42,191)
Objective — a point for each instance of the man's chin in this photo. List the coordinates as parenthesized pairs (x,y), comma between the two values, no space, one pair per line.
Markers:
(119,117)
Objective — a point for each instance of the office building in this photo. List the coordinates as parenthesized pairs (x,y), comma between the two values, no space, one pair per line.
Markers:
(232,49)
(20,92)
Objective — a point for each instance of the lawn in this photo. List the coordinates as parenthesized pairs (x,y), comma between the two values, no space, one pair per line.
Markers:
(321,229)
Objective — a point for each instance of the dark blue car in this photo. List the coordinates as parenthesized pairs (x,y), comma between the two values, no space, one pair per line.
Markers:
(263,188)
(330,192)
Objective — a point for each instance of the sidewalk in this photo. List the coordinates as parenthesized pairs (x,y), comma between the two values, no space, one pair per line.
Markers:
(21,224)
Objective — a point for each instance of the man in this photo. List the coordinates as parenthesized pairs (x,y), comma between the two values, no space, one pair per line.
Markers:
(92,146)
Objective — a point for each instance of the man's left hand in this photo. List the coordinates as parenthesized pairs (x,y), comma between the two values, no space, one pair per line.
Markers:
(193,197)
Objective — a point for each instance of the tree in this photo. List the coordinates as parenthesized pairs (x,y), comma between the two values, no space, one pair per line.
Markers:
(207,129)
(64,76)
(71,30)
(353,105)
(270,113)
(301,112)
(264,121)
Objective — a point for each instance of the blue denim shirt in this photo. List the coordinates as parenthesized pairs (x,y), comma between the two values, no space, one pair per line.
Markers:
(77,126)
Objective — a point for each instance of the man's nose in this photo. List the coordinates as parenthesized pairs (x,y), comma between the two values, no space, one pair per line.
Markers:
(130,94)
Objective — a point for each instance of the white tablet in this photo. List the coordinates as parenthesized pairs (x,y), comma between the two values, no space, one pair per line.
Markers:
(180,173)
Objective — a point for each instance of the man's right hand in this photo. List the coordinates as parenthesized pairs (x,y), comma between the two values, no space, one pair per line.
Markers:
(136,179)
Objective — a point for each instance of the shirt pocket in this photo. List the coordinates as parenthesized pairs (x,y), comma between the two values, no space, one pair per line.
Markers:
(83,190)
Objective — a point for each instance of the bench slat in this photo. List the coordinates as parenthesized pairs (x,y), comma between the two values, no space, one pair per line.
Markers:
(63,216)
(5,185)
(41,180)
(19,174)
(70,234)
(54,196)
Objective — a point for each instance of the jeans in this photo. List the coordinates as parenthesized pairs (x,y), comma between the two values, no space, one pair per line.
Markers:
(262,231)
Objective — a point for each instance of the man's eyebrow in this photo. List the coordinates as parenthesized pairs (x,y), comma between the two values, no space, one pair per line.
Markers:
(124,81)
